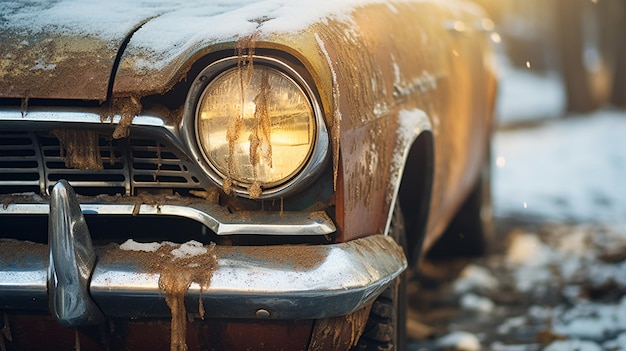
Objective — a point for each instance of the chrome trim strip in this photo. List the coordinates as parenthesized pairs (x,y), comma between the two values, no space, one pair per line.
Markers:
(215,217)
(55,117)
(72,259)
(70,116)
(291,282)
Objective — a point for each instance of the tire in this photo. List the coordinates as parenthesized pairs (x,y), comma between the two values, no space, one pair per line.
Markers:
(588,43)
(386,325)
(472,228)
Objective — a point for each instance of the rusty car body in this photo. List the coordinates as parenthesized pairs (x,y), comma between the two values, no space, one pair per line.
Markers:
(233,175)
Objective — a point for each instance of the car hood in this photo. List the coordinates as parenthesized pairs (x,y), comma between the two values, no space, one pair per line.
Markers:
(76,49)
(64,49)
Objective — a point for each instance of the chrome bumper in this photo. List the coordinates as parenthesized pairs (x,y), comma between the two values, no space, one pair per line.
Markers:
(81,285)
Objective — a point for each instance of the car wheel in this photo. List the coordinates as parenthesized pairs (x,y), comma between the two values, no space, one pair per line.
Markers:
(386,325)
(472,228)
(587,43)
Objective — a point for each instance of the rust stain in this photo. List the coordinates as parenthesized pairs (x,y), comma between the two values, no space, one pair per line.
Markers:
(255,190)
(260,148)
(212,195)
(176,274)
(260,141)
(245,66)
(79,148)
(128,108)
(339,333)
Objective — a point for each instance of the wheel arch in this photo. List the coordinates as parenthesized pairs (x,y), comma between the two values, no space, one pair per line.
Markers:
(414,178)
(415,192)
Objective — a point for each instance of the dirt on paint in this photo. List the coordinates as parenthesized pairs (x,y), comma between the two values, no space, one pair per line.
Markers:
(14,250)
(79,148)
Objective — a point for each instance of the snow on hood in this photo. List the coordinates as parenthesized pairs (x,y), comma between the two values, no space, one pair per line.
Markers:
(159,48)
(67,48)
(64,48)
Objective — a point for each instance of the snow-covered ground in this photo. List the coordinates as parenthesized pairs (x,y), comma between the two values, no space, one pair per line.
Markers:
(568,169)
(559,283)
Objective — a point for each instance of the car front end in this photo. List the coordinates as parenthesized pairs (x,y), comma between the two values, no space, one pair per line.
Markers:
(202,209)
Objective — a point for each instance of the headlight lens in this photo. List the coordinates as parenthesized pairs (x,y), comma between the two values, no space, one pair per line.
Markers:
(255,126)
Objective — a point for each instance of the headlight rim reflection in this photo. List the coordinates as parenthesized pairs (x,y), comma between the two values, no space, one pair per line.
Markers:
(306,172)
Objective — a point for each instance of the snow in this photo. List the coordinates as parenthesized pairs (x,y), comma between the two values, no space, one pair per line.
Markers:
(618,343)
(106,20)
(568,170)
(527,95)
(189,249)
(477,303)
(563,174)
(167,29)
(571,345)
(475,277)
(132,245)
(562,169)
(460,341)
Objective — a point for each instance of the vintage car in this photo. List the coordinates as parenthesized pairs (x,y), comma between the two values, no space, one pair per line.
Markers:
(225,175)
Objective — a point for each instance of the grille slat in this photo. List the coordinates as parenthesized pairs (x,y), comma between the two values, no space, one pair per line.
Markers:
(20,164)
(32,162)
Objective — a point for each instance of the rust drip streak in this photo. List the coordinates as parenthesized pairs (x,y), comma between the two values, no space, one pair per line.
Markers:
(128,108)
(79,148)
(245,67)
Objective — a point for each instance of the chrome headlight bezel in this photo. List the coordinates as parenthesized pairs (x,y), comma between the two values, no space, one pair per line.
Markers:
(317,157)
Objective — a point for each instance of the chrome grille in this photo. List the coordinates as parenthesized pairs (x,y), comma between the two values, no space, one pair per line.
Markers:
(19,162)
(33,162)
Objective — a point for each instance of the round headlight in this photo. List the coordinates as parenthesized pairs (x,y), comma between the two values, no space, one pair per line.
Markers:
(255,126)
